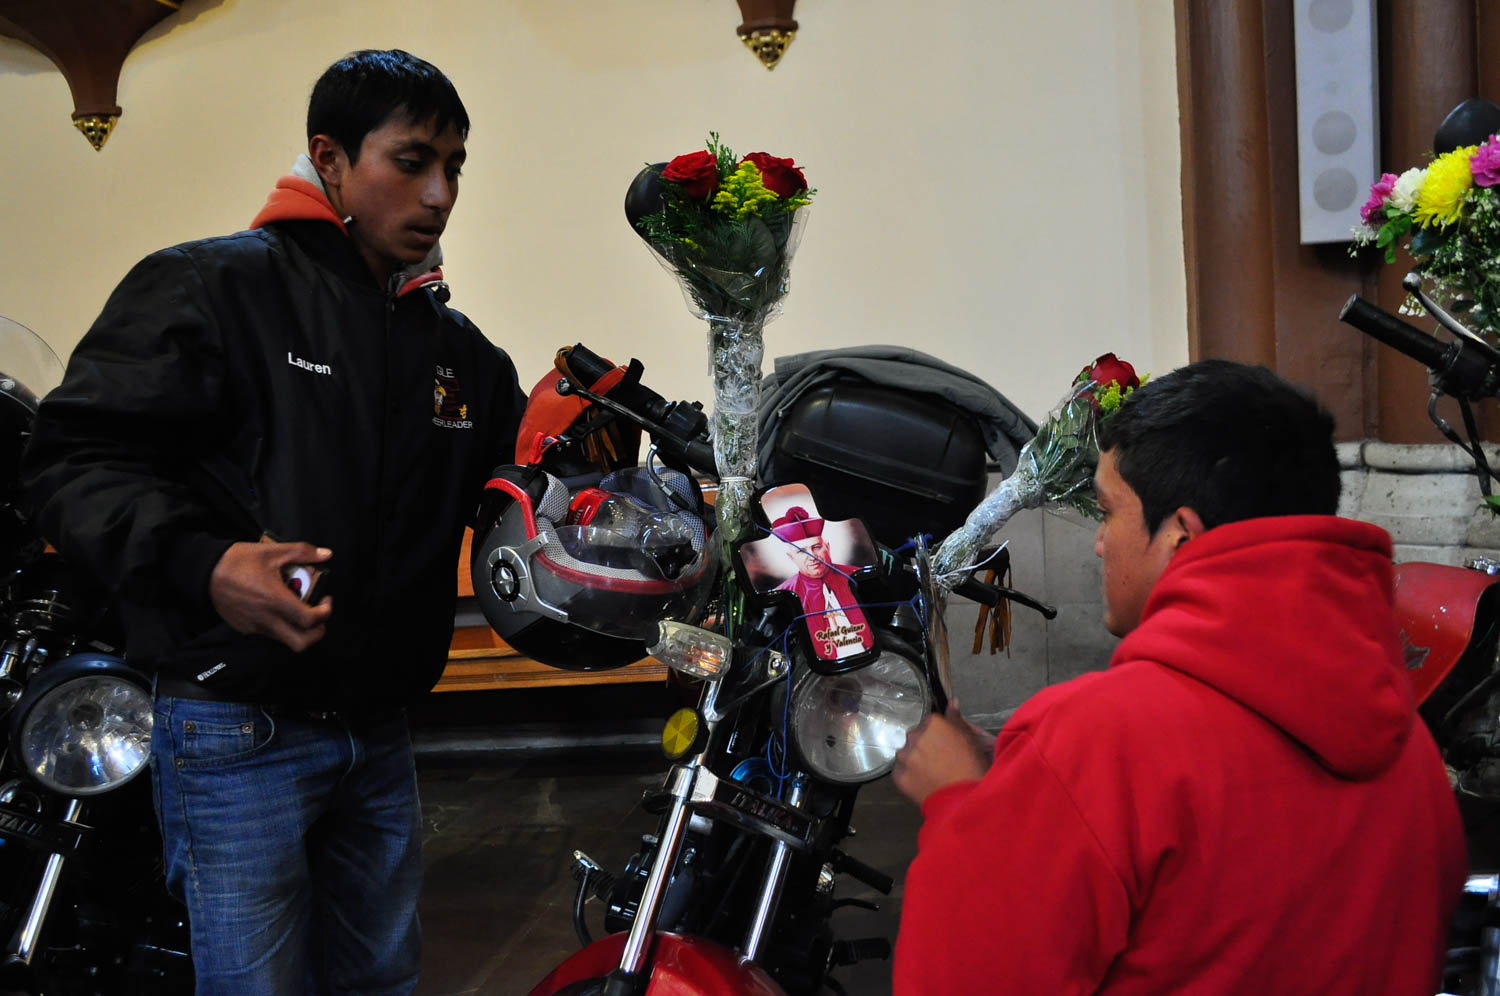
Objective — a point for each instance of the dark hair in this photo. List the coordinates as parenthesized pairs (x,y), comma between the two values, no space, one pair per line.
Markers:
(1227,440)
(357,94)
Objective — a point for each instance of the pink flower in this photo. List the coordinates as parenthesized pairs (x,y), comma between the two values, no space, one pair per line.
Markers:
(1379,191)
(1485,163)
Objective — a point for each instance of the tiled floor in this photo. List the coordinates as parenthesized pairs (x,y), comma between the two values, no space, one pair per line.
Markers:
(501,828)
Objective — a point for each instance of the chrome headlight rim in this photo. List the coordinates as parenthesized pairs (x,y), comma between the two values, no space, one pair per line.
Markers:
(811,683)
(88,667)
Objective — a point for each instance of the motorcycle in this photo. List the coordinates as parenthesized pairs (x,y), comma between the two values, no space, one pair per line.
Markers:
(1451,627)
(82,899)
(800,703)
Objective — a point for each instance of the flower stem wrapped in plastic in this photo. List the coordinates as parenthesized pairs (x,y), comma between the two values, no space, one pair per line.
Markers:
(1055,467)
(727,229)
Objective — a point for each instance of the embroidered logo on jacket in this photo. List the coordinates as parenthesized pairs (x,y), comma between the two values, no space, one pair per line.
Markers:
(449,409)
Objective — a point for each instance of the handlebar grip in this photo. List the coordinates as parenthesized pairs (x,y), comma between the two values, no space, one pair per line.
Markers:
(857,869)
(1462,369)
(976,590)
(586,365)
(991,595)
(1021,598)
(1401,336)
(697,454)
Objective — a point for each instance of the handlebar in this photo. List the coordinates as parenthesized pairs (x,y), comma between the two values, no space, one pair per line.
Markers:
(992,594)
(1467,368)
(677,427)
(1463,369)
(989,594)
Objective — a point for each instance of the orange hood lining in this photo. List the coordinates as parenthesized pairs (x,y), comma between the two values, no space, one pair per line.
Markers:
(296,199)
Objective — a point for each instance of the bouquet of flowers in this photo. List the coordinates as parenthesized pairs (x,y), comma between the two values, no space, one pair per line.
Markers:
(1448,216)
(1055,467)
(727,229)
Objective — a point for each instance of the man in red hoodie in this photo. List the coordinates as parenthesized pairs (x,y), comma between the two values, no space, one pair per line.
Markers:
(302,380)
(1245,801)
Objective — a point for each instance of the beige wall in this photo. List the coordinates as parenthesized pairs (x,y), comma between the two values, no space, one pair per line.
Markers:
(998,180)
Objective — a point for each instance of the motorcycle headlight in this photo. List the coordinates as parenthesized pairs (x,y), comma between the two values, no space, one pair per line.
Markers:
(848,727)
(83,725)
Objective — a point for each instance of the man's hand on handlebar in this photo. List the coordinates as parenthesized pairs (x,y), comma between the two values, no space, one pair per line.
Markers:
(248,592)
(942,751)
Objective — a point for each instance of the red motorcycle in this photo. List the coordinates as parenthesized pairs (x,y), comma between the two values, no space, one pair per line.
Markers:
(1451,626)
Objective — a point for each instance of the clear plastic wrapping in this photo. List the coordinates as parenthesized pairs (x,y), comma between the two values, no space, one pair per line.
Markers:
(736,304)
(1055,467)
(727,230)
(735,350)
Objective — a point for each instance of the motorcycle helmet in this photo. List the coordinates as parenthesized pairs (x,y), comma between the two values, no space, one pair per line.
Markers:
(578,577)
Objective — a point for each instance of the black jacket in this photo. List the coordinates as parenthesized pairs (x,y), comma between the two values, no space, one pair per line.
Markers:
(262,382)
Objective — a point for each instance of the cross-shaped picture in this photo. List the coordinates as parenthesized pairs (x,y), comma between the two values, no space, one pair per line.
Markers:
(815,559)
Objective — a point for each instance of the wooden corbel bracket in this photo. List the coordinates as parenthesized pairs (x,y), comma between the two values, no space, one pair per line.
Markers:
(88,40)
(768,28)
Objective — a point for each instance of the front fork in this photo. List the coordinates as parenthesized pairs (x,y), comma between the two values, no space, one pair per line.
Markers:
(633,958)
(770,890)
(682,781)
(22,946)
(689,783)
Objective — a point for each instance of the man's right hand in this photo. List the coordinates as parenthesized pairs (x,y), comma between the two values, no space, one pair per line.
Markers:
(248,592)
(939,752)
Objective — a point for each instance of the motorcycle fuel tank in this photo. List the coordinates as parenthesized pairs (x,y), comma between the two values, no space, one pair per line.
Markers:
(679,966)
(1438,607)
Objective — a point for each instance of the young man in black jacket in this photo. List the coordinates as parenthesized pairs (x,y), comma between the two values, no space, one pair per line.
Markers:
(250,412)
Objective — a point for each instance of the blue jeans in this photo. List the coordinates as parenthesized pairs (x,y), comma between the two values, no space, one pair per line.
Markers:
(295,842)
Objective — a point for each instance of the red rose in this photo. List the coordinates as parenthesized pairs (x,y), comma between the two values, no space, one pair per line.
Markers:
(781,176)
(1110,369)
(697,173)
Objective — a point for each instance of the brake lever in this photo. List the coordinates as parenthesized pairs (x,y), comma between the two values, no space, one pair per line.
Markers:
(695,452)
(1412,284)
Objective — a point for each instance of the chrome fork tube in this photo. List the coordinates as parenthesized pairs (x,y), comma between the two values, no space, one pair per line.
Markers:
(770,890)
(633,958)
(23,942)
(682,779)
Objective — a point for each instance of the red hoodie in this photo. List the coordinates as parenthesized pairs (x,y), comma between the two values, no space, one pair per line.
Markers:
(1243,803)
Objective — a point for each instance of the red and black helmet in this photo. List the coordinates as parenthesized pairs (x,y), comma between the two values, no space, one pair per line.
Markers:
(578,577)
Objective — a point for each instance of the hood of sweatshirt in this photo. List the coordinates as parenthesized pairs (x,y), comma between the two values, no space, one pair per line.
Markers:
(301,196)
(1293,618)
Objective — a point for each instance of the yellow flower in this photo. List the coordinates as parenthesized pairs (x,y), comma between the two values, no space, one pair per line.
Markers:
(1113,396)
(742,193)
(1443,193)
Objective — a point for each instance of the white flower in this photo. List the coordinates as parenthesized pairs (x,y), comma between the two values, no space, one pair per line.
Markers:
(1404,193)
(1363,234)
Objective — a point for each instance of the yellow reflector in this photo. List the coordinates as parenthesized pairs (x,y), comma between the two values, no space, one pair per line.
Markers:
(680,734)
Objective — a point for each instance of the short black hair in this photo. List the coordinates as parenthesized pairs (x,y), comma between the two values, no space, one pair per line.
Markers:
(357,94)
(1227,440)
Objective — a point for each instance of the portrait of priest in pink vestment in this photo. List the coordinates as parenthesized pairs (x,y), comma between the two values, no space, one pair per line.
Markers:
(834,619)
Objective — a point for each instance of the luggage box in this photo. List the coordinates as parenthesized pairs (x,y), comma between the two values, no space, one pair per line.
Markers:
(904,462)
